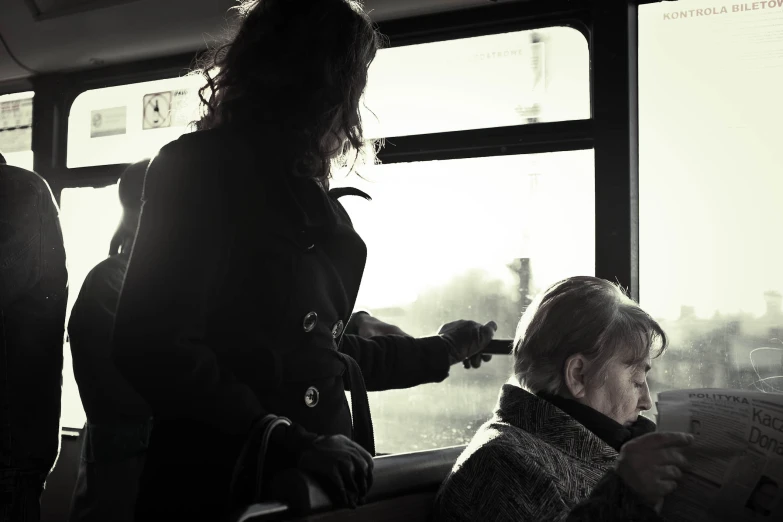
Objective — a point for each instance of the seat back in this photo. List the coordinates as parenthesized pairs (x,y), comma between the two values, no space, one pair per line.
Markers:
(404,488)
(416,507)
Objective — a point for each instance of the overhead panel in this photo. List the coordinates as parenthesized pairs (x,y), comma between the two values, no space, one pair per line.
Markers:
(49,36)
(381,10)
(44,9)
(10,71)
(105,32)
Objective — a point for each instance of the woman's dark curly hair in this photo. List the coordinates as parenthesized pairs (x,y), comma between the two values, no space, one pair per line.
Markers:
(299,66)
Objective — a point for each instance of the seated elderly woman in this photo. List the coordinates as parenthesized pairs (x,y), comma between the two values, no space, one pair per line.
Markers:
(569,443)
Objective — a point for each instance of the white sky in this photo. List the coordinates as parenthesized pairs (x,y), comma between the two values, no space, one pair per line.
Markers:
(710,212)
(431,221)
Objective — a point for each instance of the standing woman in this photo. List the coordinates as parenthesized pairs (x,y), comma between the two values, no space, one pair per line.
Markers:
(245,270)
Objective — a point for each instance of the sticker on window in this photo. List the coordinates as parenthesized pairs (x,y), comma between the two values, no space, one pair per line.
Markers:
(108,122)
(166,109)
(16,120)
(157,110)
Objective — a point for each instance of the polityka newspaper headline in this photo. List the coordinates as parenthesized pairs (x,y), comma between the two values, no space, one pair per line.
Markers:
(736,459)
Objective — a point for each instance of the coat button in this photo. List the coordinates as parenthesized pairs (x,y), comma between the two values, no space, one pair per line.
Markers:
(309,322)
(311,396)
(337,329)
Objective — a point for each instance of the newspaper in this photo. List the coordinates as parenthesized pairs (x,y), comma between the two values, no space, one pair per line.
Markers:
(736,457)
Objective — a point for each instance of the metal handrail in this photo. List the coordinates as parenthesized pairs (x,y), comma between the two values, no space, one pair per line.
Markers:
(393,476)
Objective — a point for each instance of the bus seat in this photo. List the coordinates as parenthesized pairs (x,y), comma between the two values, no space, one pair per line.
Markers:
(33,298)
(56,498)
(404,488)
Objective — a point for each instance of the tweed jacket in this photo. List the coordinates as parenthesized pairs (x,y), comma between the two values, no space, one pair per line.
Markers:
(533,462)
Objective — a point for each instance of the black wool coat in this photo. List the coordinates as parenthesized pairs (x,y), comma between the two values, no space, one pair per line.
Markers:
(240,283)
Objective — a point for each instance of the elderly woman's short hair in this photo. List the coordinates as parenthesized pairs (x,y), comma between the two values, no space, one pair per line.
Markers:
(582,315)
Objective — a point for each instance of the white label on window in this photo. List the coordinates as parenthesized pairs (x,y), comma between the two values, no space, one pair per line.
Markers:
(16,113)
(16,140)
(16,120)
(182,107)
(108,122)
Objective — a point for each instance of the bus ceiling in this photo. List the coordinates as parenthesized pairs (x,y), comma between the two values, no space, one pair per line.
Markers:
(39,37)
(48,36)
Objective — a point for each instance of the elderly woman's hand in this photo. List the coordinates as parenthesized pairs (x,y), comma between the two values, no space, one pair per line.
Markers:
(652,464)
(467,339)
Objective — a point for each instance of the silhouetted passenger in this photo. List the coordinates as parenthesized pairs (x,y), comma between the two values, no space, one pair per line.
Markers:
(118,426)
(33,298)
(550,452)
(245,270)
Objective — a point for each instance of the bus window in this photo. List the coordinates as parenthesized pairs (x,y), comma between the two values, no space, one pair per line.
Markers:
(497,80)
(496,203)
(710,191)
(127,123)
(16,129)
(465,239)
(89,218)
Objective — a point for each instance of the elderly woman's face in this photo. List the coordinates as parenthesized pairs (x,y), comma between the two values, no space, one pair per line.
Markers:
(623,395)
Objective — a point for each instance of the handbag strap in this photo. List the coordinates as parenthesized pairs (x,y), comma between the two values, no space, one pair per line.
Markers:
(363,432)
(261,430)
(270,426)
(255,431)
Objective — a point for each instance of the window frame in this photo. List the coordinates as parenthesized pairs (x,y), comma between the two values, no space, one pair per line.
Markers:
(610,29)
(50,118)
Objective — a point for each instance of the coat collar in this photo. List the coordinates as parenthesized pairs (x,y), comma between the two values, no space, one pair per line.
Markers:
(306,203)
(552,425)
(607,429)
(314,207)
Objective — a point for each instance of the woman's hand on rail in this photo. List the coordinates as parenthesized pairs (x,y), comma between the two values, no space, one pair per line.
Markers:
(467,339)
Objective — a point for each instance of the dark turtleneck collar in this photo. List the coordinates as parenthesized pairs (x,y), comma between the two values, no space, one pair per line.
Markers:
(605,428)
